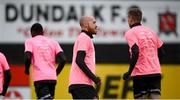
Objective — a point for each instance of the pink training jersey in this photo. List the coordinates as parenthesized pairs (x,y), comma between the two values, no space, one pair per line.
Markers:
(3,67)
(148,43)
(77,76)
(43,51)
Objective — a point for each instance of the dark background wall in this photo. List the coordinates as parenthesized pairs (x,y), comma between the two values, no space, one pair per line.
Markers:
(105,53)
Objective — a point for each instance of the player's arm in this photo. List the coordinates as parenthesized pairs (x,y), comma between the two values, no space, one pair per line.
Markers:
(7,79)
(161,53)
(82,65)
(27,61)
(133,60)
(61,59)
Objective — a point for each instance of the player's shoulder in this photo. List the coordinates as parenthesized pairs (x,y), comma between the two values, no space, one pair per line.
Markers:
(1,55)
(146,28)
(52,41)
(49,39)
(140,28)
(83,36)
(28,40)
(128,32)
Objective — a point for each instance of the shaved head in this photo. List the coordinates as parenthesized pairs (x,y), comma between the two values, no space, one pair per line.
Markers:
(85,19)
(88,23)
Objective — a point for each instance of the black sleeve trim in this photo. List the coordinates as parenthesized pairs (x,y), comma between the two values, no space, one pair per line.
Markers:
(161,53)
(7,79)
(27,61)
(82,65)
(61,59)
(134,57)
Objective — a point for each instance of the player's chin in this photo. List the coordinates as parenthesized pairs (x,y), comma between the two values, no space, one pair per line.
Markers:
(94,33)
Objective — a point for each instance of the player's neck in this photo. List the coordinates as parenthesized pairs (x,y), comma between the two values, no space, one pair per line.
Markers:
(88,33)
(135,24)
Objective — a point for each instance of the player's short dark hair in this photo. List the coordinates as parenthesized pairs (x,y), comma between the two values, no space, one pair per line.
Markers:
(36,29)
(135,14)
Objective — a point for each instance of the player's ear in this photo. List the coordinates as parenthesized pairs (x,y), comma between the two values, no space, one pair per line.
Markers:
(130,19)
(87,24)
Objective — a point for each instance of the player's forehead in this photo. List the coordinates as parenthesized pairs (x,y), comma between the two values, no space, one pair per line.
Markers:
(87,18)
(92,18)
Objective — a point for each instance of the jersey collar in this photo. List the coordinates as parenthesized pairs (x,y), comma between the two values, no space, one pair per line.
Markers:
(136,24)
(88,33)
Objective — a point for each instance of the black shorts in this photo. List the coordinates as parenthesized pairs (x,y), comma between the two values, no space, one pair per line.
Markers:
(146,84)
(82,91)
(45,89)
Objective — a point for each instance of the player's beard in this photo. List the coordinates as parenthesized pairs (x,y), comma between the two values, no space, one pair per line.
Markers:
(93,31)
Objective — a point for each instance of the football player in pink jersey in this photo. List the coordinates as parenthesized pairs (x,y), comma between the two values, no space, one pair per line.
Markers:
(82,74)
(5,75)
(43,53)
(146,49)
